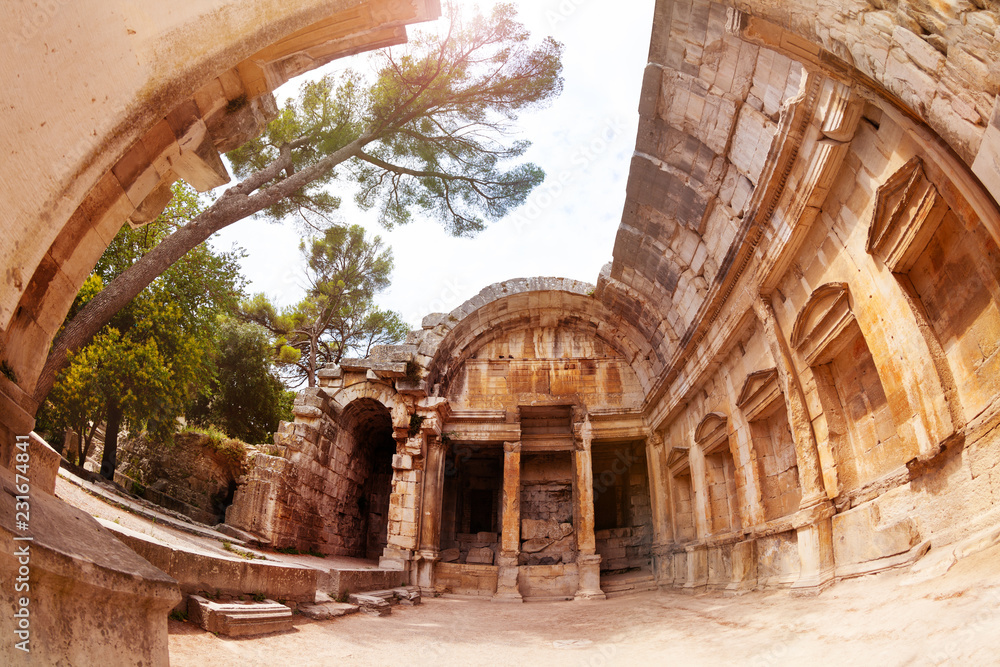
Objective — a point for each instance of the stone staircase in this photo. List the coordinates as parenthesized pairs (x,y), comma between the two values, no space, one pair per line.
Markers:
(628,583)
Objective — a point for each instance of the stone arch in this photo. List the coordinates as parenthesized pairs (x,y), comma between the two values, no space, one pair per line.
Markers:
(90,151)
(448,340)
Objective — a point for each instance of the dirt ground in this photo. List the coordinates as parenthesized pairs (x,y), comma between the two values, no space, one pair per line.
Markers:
(888,619)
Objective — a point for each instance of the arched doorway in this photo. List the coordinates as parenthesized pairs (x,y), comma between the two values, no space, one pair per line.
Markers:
(368,425)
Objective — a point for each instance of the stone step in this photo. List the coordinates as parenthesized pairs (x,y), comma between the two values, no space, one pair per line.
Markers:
(239,619)
(629,586)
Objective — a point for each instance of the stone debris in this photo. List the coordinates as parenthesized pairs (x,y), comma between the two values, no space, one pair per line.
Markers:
(379,603)
(327,610)
(239,619)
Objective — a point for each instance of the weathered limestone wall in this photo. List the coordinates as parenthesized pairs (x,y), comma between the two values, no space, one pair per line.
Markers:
(329,491)
(831,408)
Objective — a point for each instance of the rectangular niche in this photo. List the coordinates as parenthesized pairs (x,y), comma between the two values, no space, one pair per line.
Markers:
(622,511)
(720,480)
(712,436)
(548,535)
(763,405)
(957,285)
(470,510)
(684,504)
(873,447)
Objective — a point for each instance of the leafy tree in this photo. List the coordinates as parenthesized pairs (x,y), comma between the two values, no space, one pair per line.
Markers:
(244,399)
(344,271)
(429,130)
(146,363)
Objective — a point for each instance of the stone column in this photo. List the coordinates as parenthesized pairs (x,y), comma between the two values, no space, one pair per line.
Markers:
(510,540)
(658,496)
(588,561)
(806,453)
(816,565)
(430,524)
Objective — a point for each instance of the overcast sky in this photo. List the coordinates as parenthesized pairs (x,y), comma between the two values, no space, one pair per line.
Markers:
(583,141)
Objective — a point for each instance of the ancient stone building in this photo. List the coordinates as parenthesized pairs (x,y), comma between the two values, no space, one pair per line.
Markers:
(787,375)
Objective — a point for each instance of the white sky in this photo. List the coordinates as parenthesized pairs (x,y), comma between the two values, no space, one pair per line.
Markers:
(584,142)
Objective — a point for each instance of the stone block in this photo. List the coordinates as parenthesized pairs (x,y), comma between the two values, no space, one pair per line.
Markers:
(239,619)
(480,556)
(373,605)
(450,555)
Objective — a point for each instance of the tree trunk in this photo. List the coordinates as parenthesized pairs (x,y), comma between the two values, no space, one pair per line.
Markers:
(109,461)
(84,449)
(238,202)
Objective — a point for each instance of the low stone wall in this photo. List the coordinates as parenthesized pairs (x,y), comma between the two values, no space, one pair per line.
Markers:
(548,582)
(112,605)
(462,579)
(344,582)
(201,573)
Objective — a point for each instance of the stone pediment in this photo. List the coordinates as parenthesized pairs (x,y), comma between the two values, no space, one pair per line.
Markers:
(824,317)
(711,431)
(676,456)
(907,211)
(759,392)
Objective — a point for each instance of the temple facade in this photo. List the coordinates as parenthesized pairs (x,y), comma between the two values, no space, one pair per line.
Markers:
(788,374)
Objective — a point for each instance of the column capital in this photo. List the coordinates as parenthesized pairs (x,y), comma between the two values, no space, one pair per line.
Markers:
(512,447)
(654,440)
(585,436)
(437,444)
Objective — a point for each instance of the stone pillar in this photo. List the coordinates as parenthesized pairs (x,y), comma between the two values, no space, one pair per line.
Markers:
(430,524)
(816,565)
(510,540)
(588,561)
(806,453)
(403,519)
(659,496)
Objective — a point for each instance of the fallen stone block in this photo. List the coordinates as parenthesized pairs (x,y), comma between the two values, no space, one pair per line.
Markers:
(371,603)
(239,619)
(407,595)
(328,610)
(450,555)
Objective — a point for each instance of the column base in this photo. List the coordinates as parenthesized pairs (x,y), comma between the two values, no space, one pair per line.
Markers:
(507,572)
(590,595)
(589,567)
(816,564)
(425,571)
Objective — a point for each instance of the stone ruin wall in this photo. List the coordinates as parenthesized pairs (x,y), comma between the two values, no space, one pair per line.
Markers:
(191,475)
(802,314)
(307,498)
(877,334)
